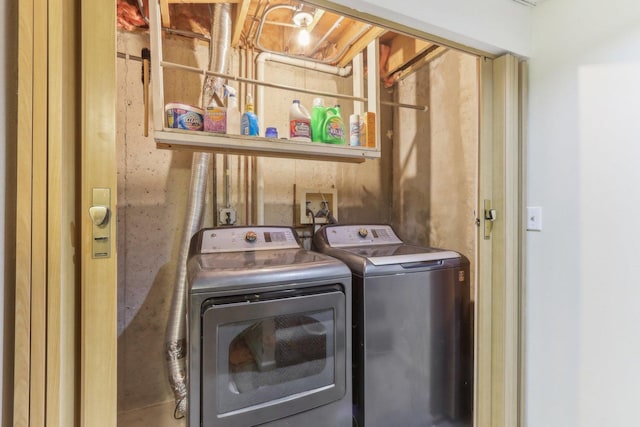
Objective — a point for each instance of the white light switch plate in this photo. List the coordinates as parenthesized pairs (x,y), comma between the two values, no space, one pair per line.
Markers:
(534,218)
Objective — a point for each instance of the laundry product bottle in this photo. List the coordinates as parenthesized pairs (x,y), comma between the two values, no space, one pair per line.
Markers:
(318,112)
(333,126)
(233,113)
(299,122)
(249,121)
(354,129)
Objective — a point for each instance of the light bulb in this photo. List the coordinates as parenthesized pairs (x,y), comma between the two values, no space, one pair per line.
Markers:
(303,37)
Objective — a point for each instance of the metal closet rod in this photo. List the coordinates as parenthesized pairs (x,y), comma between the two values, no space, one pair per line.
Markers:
(131,57)
(196,70)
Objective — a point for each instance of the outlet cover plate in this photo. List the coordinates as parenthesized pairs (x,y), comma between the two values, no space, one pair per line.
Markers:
(228,216)
(316,197)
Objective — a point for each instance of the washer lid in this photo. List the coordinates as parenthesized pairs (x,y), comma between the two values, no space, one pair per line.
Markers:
(401,254)
(378,243)
(260,260)
(233,258)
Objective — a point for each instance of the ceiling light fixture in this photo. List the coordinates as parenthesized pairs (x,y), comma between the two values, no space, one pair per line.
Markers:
(303,20)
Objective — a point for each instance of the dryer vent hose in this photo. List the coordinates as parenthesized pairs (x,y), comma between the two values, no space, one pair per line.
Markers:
(176,343)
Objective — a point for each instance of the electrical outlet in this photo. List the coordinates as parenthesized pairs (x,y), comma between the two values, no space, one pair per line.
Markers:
(228,216)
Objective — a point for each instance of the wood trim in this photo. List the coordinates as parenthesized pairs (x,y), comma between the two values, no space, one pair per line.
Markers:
(39,221)
(54,218)
(506,244)
(98,313)
(524,101)
(62,274)
(44,387)
(499,304)
(513,244)
(484,295)
(22,352)
(31,226)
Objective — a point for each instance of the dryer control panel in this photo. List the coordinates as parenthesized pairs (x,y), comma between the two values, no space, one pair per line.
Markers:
(256,238)
(345,236)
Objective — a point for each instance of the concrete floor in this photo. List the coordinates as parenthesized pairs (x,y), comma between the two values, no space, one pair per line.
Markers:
(159,415)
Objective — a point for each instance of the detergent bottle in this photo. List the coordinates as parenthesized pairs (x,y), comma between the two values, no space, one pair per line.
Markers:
(249,121)
(299,122)
(333,126)
(318,113)
(233,114)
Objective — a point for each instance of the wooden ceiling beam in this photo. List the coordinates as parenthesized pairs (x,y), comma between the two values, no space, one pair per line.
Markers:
(317,16)
(403,50)
(360,45)
(241,11)
(429,56)
(164,13)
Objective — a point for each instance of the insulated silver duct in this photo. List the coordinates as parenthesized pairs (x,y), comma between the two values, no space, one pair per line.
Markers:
(176,346)
(176,343)
(218,53)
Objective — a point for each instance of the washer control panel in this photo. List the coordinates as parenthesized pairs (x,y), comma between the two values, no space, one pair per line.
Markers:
(239,239)
(345,236)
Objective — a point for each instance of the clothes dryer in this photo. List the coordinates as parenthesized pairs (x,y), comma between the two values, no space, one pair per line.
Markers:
(269,331)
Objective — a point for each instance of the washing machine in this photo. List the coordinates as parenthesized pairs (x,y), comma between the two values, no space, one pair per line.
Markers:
(269,331)
(413,328)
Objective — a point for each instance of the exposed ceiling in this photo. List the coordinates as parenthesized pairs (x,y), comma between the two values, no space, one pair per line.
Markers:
(275,25)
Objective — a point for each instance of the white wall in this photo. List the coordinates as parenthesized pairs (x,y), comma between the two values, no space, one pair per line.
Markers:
(583,344)
(495,26)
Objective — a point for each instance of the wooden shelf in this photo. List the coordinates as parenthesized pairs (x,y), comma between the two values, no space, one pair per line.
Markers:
(178,139)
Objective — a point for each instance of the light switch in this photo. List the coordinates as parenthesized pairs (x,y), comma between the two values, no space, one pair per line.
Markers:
(534,218)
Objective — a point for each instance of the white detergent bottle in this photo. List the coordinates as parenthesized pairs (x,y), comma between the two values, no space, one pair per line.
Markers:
(299,122)
(233,113)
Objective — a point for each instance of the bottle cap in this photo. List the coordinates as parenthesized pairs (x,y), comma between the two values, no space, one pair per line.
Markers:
(271,132)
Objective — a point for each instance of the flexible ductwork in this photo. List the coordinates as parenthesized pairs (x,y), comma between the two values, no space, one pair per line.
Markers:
(218,52)
(176,347)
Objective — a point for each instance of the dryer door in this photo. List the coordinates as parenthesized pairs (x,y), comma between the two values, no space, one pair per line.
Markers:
(268,356)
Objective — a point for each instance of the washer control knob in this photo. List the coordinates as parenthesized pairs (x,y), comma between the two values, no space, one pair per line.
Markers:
(363,232)
(251,236)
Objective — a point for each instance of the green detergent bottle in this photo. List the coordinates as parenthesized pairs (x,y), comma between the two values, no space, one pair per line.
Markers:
(317,119)
(333,126)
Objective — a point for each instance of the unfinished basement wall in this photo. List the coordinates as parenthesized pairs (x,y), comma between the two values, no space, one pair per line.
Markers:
(152,197)
(362,189)
(435,153)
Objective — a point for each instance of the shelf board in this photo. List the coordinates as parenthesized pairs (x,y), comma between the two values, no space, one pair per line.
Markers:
(178,139)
